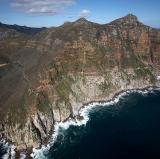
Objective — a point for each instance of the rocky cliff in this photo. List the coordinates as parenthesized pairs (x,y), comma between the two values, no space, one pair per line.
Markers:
(48,76)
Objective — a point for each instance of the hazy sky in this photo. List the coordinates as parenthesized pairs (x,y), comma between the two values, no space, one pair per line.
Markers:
(39,13)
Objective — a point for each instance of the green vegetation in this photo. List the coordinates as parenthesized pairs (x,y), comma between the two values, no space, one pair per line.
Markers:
(126,76)
(63,89)
(44,105)
(17,114)
(144,73)
(107,86)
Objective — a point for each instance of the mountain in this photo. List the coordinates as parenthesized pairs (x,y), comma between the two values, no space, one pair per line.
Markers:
(49,76)
(22,29)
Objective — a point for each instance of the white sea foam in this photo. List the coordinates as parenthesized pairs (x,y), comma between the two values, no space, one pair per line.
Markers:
(10,150)
(23,155)
(158,77)
(84,112)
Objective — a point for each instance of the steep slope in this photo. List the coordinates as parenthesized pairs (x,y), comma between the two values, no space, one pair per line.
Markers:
(50,76)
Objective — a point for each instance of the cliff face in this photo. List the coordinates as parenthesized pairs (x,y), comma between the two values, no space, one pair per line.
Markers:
(49,76)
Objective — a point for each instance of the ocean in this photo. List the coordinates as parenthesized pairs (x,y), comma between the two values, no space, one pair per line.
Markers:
(128,128)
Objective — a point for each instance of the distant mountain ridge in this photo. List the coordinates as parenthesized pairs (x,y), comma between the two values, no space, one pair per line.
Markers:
(23,29)
(130,18)
(48,76)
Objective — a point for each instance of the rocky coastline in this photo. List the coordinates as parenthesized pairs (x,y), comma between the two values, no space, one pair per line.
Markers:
(87,107)
(51,75)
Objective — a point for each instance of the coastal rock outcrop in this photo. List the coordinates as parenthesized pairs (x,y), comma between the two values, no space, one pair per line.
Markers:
(50,75)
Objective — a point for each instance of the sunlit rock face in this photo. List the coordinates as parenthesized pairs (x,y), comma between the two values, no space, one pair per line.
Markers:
(47,76)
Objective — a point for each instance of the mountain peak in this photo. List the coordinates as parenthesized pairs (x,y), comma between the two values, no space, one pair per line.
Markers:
(82,21)
(128,19)
(131,18)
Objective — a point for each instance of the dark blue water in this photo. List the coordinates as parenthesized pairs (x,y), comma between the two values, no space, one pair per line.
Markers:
(127,130)
(2,150)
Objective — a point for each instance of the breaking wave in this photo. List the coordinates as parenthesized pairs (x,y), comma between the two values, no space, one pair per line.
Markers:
(8,149)
(84,112)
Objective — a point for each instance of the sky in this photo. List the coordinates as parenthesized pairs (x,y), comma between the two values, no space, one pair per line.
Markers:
(47,13)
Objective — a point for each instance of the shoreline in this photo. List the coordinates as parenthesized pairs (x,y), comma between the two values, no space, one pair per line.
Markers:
(78,120)
(115,95)
(83,113)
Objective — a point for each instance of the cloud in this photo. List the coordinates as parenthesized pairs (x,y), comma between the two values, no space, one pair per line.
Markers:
(84,13)
(41,7)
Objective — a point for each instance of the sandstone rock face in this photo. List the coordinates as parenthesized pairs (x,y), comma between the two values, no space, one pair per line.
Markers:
(49,76)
